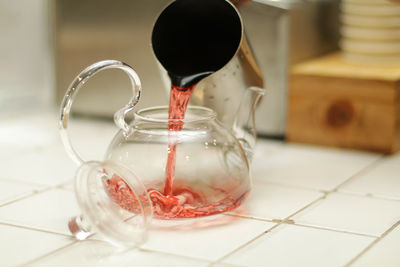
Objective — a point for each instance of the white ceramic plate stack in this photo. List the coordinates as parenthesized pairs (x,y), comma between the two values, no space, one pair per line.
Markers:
(370,31)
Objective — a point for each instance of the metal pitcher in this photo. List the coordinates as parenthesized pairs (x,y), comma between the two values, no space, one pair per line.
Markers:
(202,42)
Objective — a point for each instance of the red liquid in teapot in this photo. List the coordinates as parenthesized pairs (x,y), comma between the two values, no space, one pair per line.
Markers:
(176,199)
(183,202)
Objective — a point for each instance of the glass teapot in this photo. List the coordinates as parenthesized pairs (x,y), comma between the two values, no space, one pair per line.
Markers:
(119,196)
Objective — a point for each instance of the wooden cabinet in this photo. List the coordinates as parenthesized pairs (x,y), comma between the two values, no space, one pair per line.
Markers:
(335,103)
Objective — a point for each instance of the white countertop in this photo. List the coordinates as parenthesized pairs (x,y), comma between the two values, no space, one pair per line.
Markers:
(310,206)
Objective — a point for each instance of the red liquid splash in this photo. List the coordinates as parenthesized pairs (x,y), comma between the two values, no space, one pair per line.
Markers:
(183,203)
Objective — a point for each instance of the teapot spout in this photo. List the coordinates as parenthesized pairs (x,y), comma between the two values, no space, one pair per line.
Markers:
(244,126)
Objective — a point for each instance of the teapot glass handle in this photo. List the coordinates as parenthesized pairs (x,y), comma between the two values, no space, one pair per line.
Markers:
(73,89)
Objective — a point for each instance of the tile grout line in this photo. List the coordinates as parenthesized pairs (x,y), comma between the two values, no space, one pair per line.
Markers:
(34,229)
(278,223)
(295,186)
(251,217)
(285,220)
(213,264)
(246,243)
(307,206)
(74,241)
(48,254)
(360,172)
(18,197)
(372,244)
(333,230)
(292,222)
(368,195)
(134,248)
(33,193)
(18,181)
(175,255)
(335,189)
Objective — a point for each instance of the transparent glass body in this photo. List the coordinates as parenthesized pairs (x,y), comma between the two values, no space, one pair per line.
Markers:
(154,167)
(211,168)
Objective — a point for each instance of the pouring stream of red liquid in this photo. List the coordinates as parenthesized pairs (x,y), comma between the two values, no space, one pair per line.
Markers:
(178,102)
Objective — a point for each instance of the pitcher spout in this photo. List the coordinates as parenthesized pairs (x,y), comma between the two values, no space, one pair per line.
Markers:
(244,126)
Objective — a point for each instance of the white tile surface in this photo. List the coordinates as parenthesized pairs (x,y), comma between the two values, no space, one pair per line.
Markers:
(382,181)
(68,186)
(29,131)
(265,148)
(208,243)
(35,152)
(49,210)
(18,245)
(10,151)
(47,166)
(270,201)
(352,213)
(311,167)
(289,245)
(384,253)
(97,253)
(10,190)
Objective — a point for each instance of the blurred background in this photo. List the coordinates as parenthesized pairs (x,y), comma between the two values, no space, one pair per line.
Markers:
(46,43)
(26,55)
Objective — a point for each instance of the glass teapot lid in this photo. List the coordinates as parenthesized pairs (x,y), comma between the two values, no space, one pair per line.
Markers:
(113,202)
